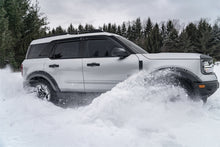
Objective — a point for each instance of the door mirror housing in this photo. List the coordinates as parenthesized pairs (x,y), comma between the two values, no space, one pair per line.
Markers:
(119,52)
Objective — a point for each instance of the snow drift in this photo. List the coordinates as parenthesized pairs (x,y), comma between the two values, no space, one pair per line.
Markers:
(137,112)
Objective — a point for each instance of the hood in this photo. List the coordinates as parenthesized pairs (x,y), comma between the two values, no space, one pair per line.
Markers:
(173,56)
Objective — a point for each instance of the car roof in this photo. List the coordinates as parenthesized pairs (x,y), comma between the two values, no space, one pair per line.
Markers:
(49,39)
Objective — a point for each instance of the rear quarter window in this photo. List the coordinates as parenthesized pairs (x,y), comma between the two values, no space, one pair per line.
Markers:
(38,51)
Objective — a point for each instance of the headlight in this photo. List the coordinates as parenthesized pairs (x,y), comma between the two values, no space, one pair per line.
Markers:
(206,64)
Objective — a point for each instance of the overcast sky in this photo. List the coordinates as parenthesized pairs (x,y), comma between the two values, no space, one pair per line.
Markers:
(98,12)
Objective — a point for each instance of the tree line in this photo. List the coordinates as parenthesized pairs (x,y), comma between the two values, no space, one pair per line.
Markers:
(21,22)
(171,36)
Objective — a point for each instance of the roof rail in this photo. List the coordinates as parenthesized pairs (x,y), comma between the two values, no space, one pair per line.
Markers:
(91,31)
(53,35)
(74,33)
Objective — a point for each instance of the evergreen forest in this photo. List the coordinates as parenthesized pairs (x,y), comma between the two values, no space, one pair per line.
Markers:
(21,22)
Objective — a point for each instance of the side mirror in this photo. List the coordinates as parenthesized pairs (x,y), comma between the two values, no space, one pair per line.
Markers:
(119,52)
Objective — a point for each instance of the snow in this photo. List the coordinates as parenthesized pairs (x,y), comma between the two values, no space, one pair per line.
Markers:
(136,113)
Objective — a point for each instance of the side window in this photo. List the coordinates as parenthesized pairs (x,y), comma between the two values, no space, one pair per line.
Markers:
(101,47)
(67,50)
(38,51)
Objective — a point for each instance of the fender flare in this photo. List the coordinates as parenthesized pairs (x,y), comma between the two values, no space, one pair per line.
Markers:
(184,73)
(45,76)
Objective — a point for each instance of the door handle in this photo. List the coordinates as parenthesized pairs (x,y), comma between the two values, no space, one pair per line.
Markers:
(54,66)
(93,64)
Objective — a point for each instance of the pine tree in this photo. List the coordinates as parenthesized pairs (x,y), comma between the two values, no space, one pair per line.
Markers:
(34,27)
(192,33)
(184,44)
(119,31)
(105,28)
(53,32)
(148,28)
(155,39)
(71,29)
(129,32)
(147,41)
(171,38)
(215,41)
(109,29)
(16,10)
(163,30)
(133,32)
(138,29)
(204,36)
(6,50)
(25,24)
(59,30)
(114,28)
(124,30)
(80,29)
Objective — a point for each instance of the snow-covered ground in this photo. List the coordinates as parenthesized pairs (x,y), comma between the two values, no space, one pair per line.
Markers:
(136,113)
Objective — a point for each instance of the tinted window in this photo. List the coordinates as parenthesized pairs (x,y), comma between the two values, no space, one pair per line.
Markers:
(38,51)
(101,47)
(67,50)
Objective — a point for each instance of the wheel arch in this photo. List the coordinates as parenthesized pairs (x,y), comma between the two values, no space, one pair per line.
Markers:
(45,76)
(184,73)
(186,78)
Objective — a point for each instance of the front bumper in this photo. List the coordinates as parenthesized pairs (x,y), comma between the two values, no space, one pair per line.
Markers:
(206,89)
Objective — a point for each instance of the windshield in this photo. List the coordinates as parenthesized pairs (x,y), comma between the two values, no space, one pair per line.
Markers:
(137,49)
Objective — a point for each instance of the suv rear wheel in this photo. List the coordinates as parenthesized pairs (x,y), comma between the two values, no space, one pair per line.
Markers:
(43,90)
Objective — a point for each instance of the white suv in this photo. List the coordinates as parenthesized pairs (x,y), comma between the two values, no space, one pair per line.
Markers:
(96,62)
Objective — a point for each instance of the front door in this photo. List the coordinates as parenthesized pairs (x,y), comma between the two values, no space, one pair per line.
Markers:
(101,70)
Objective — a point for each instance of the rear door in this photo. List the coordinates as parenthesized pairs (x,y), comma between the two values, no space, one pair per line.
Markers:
(101,70)
(65,65)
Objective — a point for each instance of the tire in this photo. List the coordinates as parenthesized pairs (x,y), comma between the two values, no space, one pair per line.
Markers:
(187,86)
(43,90)
(176,79)
(190,90)
(204,99)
